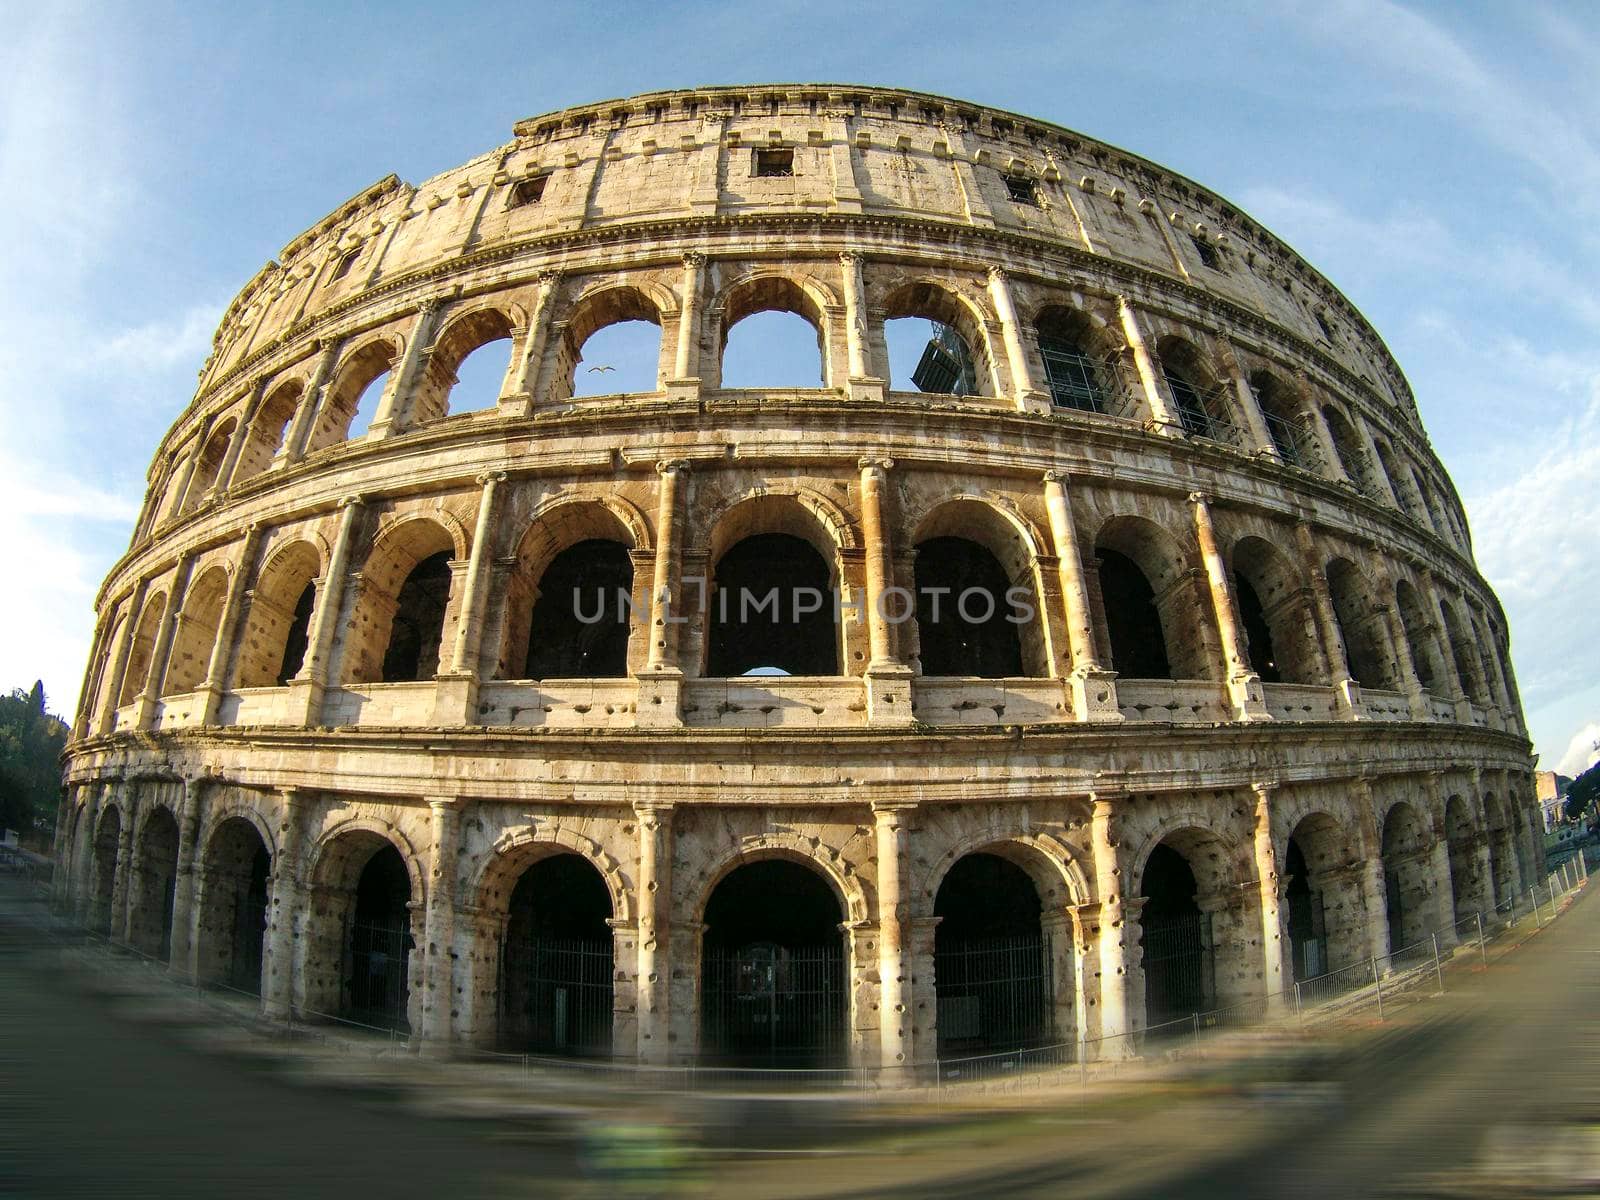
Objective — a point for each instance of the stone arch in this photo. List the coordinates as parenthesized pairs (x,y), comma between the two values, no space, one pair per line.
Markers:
(463,333)
(1348,449)
(558,525)
(1432,672)
(1056,868)
(358,368)
(107,837)
(767,289)
(948,304)
(136,675)
(235,863)
(1082,358)
(1014,543)
(1461,837)
(1362,626)
(209,462)
(196,634)
(601,304)
(1283,409)
(401,550)
(1197,389)
(1404,847)
(847,886)
(1504,874)
(153,880)
(514,851)
(815,518)
(269,427)
(1464,653)
(329,860)
(277,626)
(1176,596)
(1275,601)
(1324,914)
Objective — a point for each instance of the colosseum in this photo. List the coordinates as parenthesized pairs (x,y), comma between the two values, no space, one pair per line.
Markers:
(1128,662)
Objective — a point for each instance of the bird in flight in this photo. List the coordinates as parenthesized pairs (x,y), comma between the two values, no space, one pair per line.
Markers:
(600,370)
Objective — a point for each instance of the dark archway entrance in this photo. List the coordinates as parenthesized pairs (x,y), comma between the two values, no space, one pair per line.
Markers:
(991,960)
(155,884)
(379,947)
(1133,623)
(233,907)
(580,620)
(772,981)
(105,871)
(1179,955)
(413,652)
(556,962)
(773,607)
(964,623)
(1405,877)
(1308,939)
(1258,633)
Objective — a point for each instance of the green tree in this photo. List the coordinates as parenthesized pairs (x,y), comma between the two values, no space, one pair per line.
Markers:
(1584,791)
(31,742)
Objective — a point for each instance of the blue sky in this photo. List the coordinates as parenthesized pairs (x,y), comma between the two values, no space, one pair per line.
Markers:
(1439,163)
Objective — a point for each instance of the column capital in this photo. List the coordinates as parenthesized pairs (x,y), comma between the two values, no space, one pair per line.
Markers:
(547,279)
(894,808)
(998,274)
(429,306)
(351,500)
(1199,498)
(694,259)
(672,466)
(852,258)
(645,809)
(1263,788)
(488,477)
(441,805)
(878,465)
(1061,477)
(294,797)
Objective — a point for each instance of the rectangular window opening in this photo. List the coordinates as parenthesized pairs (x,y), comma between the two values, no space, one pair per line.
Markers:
(346,261)
(1208,254)
(1022,189)
(527,191)
(775,163)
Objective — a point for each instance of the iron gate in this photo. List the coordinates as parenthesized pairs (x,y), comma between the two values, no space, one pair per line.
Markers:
(556,995)
(249,933)
(1308,935)
(765,1005)
(1179,967)
(379,959)
(994,994)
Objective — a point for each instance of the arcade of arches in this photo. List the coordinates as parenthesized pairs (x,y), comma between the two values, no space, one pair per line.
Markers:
(709,933)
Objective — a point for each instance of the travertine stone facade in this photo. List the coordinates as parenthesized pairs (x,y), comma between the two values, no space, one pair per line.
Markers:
(1241,462)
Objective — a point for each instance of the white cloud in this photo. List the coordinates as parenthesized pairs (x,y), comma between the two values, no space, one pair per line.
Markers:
(1583,751)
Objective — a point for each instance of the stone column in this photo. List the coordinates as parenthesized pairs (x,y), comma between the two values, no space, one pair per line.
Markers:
(241,435)
(1028,397)
(438,937)
(1333,650)
(860,383)
(285,910)
(1277,971)
(1249,406)
(888,678)
(653,895)
(1115,1001)
(394,409)
(1439,867)
(660,702)
(181,960)
(1374,889)
(146,713)
(1092,688)
(82,899)
(456,692)
(524,373)
(312,681)
(1161,414)
(1332,463)
(118,669)
(309,408)
(894,1010)
(216,684)
(1244,685)
(685,367)
(1421,709)
(122,875)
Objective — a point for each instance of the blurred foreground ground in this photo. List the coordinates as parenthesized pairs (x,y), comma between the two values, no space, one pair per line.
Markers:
(110,1084)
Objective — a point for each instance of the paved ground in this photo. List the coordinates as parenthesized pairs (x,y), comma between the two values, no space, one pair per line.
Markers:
(1490,1089)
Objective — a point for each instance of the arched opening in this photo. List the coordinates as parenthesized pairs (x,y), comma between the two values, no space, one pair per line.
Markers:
(1275,610)
(278,627)
(621,358)
(772,335)
(991,960)
(105,871)
(378,946)
(196,634)
(966,624)
(556,962)
(210,464)
(934,343)
(1198,398)
(467,366)
(1405,877)
(1502,854)
(1347,447)
(1077,379)
(582,370)
(154,885)
(1360,627)
(771,605)
(351,400)
(1463,655)
(1132,620)
(1179,951)
(137,673)
(268,429)
(1464,882)
(1325,914)
(772,978)
(232,923)
(1419,638)
(1308,946)
(580,623)
(1259,650)
(413,651)
(1398,483)
(1285,424)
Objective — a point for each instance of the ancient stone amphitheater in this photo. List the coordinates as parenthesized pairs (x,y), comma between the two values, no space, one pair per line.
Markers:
(633,725)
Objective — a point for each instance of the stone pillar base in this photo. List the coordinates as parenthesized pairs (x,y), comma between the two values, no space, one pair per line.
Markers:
(304,706)
(660,701)
(888,687)
(1347,695)
(1249,701)
(1034,401)
(455,699)
(683,389)
(866,389)
(1094,696)
(516,404)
